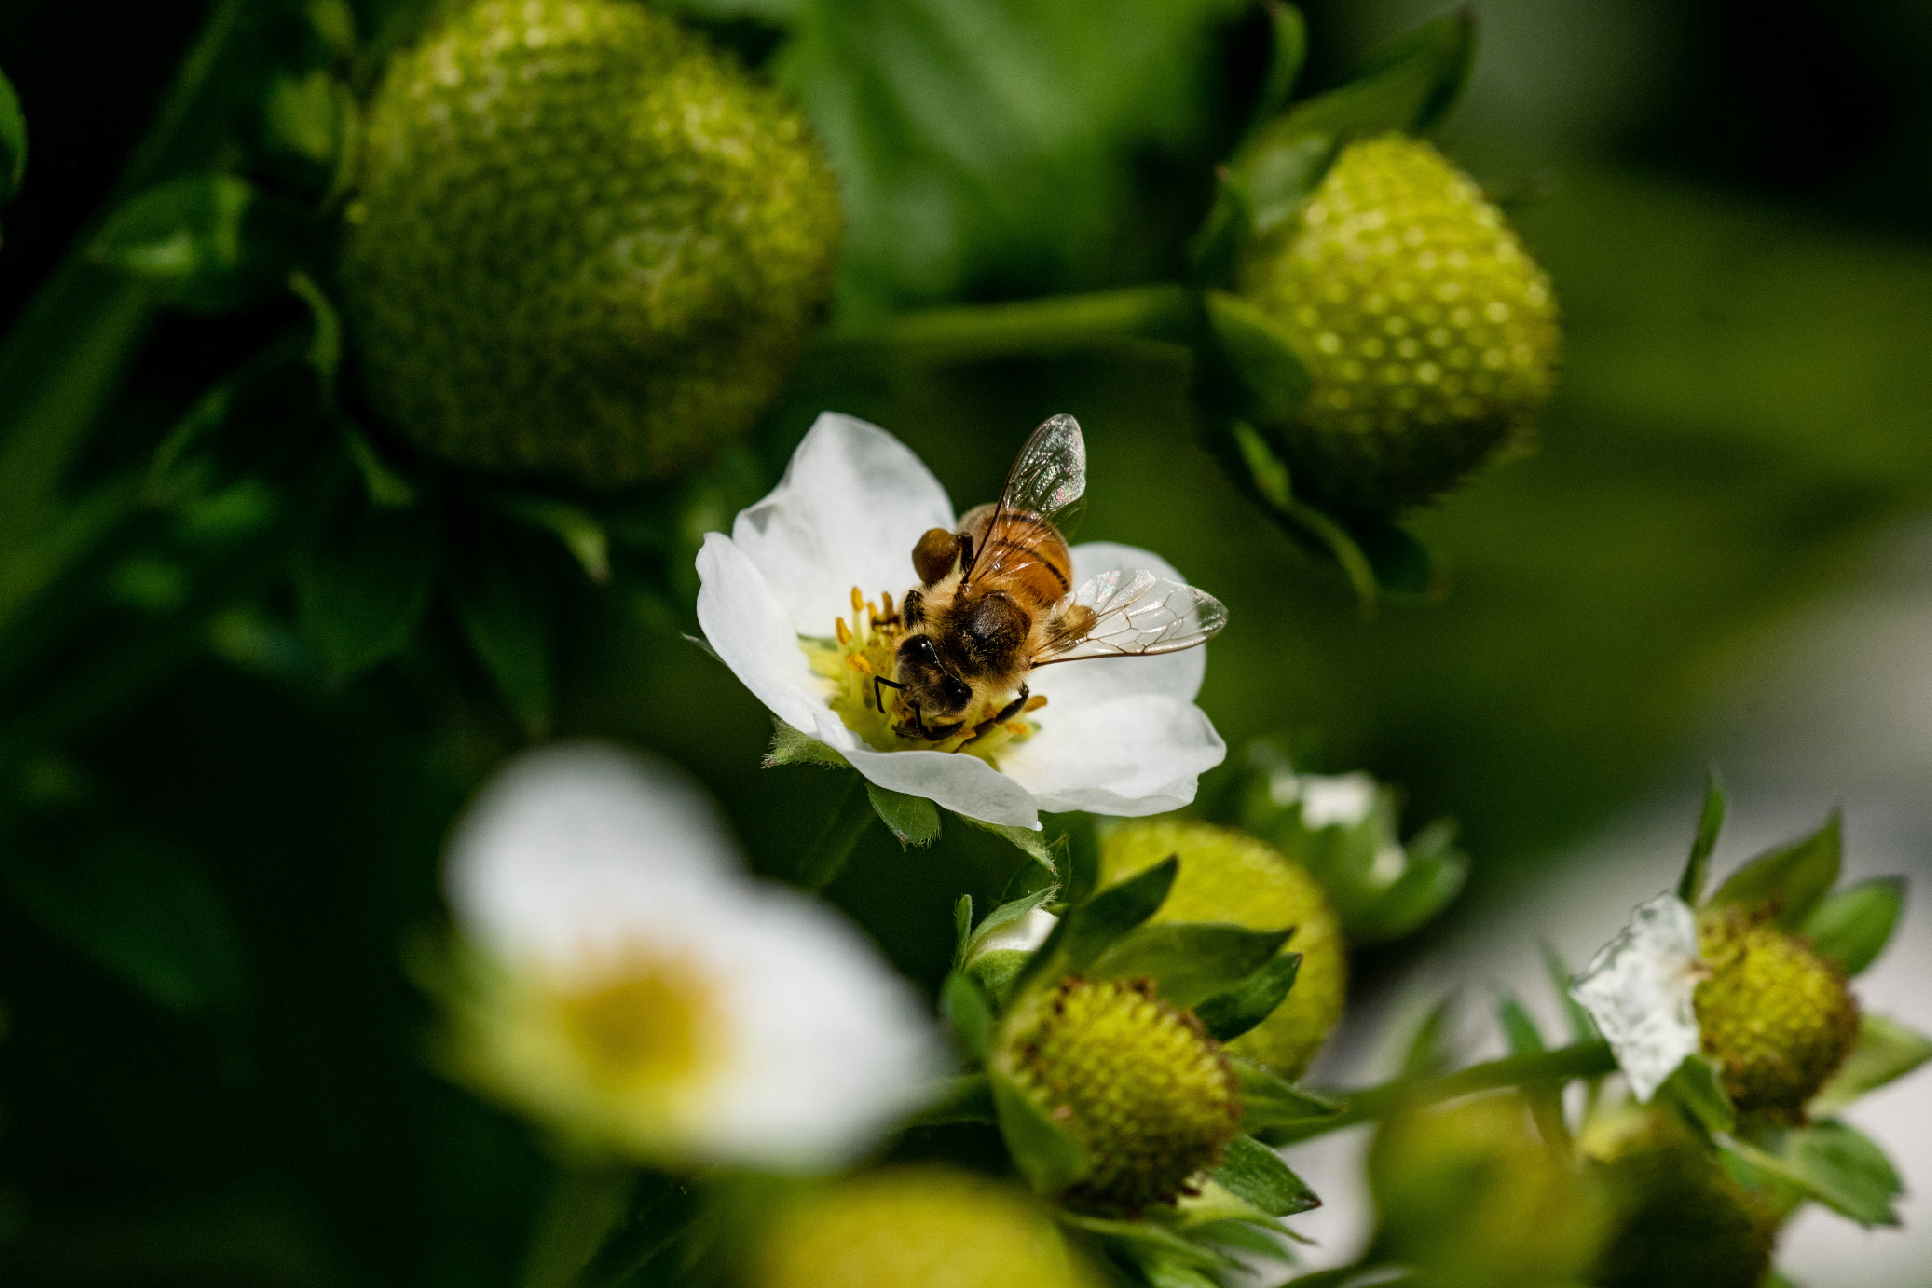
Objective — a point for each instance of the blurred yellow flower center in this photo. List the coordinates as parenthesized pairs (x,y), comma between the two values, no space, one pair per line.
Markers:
(859,659)
(639,1027)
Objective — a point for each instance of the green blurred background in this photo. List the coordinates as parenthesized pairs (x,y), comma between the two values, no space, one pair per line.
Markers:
(1734,202)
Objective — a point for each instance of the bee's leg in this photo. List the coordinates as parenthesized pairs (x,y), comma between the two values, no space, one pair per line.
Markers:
(1004,714)
(877,700)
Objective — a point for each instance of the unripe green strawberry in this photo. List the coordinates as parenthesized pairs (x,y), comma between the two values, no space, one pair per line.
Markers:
(1141,1086)
(584,244)
(1230,876)
(1429,333)
(916,1227)
(1775,1015)
(1677,1219)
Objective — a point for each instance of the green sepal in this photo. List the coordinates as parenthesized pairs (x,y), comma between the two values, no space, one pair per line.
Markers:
(1790,879)
(1093,927)
(1255,1174)
(1696,1088)
(307,118)
(1001,917)
(1269,379)
(1710,821)
(1435,874)
(1884,1052)
(1287,52)
(996,970)
(203,242)
(1428,1053)
(913,820)
(506,621)
(1144,1240)
(1033,843)
(573,526)
(363,585)
(1582,1027)
(13,141)
(791,747)
(965,1099)
(1853,926)
(1243,1234)
(1189,961)
(1844,1170)
(1270,1102)
(1406,87)
(1519,1029)
(1229,1014)
(962,927)
(966,1007)
(1076,849)
(1048,1157)
(1215,251)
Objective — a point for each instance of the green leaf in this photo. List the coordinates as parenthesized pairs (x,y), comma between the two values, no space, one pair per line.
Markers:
(1519,1029)
(850,818)
(1428,1051)
(1845,1170)
(913,820)
(1096,925)
(1189,961)
(306,117)
(205,242)
(1214,252)
(1697,1087)
(1435,873)
(143,911)
(1710,821)
(506,619)
(13,141)
(1288,50)
(1271,382)
(1853,926)
(1227,1015)
(580,534)
(1790,879)
(966,1008)
(363,585)
(1050,1159)
(1254,1173)
(1270,1102)
(1885,1051)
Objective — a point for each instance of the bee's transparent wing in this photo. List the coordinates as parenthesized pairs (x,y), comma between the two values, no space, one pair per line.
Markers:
(1048,480)
(1137,614)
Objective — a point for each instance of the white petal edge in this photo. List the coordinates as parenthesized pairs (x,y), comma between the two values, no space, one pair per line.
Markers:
(1130,756)
(574,840)
(828,1048)
(748,628)
(852,504)
(1641,987)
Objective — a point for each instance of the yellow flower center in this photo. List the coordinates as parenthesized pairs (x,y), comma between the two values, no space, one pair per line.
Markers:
(859,659)
(639,1026)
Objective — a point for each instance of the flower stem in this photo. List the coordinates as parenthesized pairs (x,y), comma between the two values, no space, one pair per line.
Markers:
(851,816)
(1162,313)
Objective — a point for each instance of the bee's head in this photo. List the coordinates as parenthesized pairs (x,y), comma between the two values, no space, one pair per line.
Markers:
(939,694)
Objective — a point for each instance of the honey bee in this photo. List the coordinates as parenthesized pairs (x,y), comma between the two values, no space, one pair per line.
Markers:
(996,600)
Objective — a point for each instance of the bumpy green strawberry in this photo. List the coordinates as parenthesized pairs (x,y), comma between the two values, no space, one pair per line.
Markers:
(583,243)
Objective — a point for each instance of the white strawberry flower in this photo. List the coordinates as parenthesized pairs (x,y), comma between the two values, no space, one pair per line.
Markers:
(1117,736)
(1641,990)
(625,983)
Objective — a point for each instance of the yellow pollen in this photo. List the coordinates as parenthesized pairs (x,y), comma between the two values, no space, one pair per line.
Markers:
(858,664)
(845,635)
(858,602)
(638,1026)
(1035,702)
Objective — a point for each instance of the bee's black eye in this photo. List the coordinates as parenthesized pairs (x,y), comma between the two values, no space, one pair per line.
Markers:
(918,648)
(956,693)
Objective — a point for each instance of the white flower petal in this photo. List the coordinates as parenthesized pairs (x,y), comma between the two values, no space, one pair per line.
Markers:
(1069,684)
(748,627)
(1130,756)
(829,1048)
(575,840)
(853,503)
(1640,989)
(962,783)
(1343,799)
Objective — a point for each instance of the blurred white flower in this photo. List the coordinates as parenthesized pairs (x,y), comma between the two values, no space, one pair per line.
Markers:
(634,990)
(1115,736)
(1641,987)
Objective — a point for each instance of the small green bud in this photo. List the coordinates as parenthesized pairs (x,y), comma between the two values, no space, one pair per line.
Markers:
(1470,1198)
(1775,1015)
(1429,334)
(1137,1082)
(1676,1218)
(1230,876)
(584,244)
(916,1227)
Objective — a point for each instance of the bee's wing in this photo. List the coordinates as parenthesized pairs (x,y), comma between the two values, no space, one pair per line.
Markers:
(1137,614)
(1048,479)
